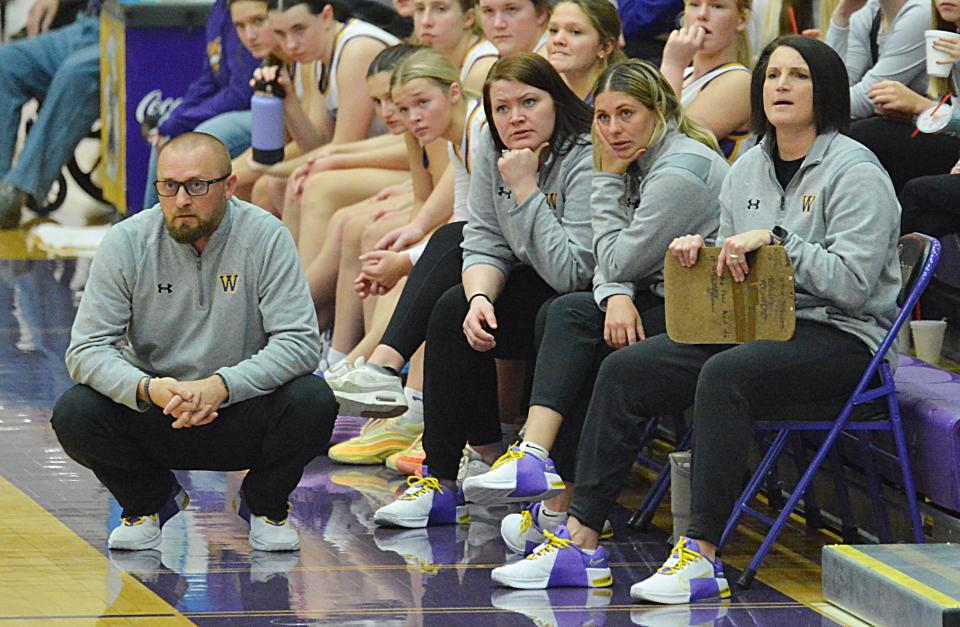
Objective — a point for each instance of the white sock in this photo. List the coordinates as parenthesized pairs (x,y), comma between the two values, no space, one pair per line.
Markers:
(549,519)
(414,413)
(535,449)
(334,357)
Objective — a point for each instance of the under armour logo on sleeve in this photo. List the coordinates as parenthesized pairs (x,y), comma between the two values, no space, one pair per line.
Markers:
(503,191)
(753,204)
(165,287)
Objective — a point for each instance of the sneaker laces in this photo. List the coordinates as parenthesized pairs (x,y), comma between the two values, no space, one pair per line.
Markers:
(684,557)
(133,521)
(275,523)
(420,486)
(552,543)
(526,520)
(512,453)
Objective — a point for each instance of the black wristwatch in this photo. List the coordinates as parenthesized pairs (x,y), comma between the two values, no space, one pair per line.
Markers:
(778,235)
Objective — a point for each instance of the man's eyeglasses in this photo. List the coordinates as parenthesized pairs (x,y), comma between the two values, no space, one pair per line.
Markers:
(194,187)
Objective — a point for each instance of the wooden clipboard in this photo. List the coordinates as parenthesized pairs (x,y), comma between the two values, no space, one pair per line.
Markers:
(702,308)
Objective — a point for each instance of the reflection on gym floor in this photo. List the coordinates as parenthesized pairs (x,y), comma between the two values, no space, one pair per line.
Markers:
(56,519)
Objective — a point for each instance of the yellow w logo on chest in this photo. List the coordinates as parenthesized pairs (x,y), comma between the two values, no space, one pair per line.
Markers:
(228,282)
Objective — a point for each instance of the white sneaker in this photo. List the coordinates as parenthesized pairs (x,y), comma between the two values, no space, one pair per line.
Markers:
(271,535)
(558,562)
(340,369)
(522,532)
(685,577)
(139,533)
(471,465)
(368,392)
(517,477)
(425,502)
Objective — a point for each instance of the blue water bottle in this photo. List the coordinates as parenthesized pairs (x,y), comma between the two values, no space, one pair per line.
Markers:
(268,133)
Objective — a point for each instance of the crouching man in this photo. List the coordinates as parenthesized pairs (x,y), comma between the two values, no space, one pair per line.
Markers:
(193,349)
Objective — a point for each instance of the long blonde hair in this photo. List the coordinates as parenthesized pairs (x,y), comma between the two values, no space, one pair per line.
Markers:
(428,64)
(643,82)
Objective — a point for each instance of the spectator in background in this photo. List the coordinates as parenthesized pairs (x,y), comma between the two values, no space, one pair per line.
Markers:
(62,68)
(646,25)
(218,102)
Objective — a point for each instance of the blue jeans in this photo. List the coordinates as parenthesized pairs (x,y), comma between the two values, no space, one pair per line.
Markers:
(232,128)
(61,68)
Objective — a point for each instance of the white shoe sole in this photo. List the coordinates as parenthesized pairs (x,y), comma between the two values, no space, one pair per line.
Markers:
(371,404)
(260,546)
(596,578)
(389,519)
(485,492)
(135,546)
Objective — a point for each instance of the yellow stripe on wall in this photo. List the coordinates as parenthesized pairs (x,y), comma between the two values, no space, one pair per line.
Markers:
(48,572)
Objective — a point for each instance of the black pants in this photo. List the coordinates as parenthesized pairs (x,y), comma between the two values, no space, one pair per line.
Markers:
(729,388)
(931,205)
(132,453)
(460,384)
(437,270)
(903,157)
(569,357)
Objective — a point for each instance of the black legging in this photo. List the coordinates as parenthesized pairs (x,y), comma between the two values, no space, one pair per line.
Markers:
(460,384)
(568,359)
(729,387)
(903,157)
(437,270)
(931,205)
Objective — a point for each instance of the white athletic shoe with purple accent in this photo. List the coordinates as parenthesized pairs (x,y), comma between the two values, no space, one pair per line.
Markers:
(685,577)
(557,562)
(521,532)
(425,502)
(515,478)
(140,533)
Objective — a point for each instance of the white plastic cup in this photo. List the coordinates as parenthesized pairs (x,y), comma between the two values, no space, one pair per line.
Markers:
(928,339)
(934,68)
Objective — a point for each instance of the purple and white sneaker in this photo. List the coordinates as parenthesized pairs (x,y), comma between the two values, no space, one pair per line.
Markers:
(514,478)
(685,577)
(425,502)
(140,533)
(521,532)
(556,563)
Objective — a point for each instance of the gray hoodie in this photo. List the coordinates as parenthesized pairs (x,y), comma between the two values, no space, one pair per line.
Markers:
(842,219)
(154,306)
(549,231)
(670,191)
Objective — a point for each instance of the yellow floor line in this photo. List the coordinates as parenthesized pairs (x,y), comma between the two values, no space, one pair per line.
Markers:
(48,572)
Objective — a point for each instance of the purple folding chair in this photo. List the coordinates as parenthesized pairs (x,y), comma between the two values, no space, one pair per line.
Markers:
(919,255)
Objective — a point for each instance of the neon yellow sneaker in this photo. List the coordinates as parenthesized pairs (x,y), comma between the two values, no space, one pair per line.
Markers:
(409,461)
(378,440)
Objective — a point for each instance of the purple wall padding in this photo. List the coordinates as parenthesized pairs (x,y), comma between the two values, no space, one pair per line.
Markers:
(930,405)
